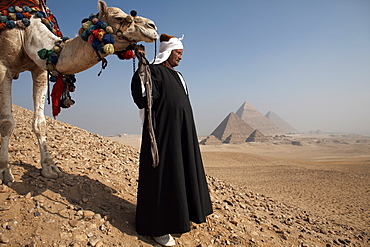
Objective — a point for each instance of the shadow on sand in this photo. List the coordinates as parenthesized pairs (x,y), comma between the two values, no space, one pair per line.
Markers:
(82,192)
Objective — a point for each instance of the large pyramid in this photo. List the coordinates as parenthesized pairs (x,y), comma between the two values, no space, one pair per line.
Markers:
(278,121)
(231,126)
(256,120)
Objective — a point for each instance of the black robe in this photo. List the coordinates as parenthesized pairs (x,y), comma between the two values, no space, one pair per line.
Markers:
(176,192)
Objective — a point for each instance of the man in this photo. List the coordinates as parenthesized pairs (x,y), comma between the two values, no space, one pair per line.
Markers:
(174,193)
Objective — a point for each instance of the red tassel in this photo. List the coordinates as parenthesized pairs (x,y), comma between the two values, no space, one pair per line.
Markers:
(2,26)
(128,54)
(56,93)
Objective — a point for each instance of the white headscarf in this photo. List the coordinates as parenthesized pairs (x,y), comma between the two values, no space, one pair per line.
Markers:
(166,48)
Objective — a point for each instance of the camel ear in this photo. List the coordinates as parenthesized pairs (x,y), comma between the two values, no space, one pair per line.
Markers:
(102,7)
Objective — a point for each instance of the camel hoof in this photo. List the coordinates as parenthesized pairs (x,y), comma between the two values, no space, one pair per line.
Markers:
(51,172)
(6,177)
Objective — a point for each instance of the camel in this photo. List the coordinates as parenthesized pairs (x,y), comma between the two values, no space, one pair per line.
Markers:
(19,52)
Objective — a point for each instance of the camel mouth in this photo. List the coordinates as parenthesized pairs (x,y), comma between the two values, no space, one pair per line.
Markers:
(150,34)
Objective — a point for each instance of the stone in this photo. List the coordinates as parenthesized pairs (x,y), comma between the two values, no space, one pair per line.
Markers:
(4,208)
(234,222)
(3,188)
(37,213)
(88,214)
(4,239)
(32,244)
(28,195)
(73,223)
(297,143)
(99,244)
(93,241)
(10,227)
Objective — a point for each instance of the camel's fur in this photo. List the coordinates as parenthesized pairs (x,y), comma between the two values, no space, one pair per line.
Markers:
(18,53)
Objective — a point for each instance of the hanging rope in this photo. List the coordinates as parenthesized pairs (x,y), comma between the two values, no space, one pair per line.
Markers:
(146,78)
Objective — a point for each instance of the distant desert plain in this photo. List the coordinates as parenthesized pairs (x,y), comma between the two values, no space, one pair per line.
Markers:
(327,175)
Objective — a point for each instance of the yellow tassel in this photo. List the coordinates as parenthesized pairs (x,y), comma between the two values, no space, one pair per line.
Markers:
(12,16)
(109,29)
(86,25)
(57,49)
(108,49)
(45,21)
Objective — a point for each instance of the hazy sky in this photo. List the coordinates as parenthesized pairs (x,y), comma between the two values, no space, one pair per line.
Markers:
(307,61)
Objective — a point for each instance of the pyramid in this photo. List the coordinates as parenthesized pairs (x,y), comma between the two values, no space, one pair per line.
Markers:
(235,138)
(211,140)
(257,136)
(256,120)
(232,124)
(278,121)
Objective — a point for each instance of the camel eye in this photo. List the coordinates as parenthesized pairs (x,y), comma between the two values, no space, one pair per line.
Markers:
(119,18)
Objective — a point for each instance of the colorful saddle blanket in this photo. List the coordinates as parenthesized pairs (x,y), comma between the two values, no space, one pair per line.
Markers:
(41,11)
(4,4)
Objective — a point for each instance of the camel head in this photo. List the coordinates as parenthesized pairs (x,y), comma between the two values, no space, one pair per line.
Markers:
(127,29)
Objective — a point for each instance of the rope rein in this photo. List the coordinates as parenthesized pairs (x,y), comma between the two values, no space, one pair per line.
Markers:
(146,78)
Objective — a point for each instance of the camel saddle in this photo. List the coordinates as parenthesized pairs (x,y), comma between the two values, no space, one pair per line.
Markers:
(5,4)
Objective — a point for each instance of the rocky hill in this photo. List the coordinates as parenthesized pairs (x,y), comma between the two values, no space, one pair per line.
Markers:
(94,203)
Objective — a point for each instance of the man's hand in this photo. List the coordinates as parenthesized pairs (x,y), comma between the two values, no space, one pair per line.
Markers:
(140,50)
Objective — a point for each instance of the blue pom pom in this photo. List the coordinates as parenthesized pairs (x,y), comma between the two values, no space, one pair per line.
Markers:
(72,78)
(96,44)
(65,38)
(27,9)
(92,27)
(19,16)
(101,24)
(40,14)
(26,22)
(54,59)
(3,18)
(92,16)
(100,47)
(109,39)
(11,9)
(10,24)
(85,35)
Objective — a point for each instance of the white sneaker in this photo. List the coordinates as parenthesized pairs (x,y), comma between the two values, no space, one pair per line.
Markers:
(165,240)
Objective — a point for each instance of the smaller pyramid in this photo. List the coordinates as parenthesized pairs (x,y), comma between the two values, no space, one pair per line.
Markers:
(279,122)
(232,124)
(235,138)
(257,136)
(210,140)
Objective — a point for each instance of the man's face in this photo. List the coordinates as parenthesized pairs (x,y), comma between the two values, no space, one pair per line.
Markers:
(175,58)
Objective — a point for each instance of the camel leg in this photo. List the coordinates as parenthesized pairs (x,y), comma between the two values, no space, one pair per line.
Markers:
(49,169)
(6,125)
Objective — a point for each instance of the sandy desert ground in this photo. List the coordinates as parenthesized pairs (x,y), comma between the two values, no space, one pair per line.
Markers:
(272,194)
(329,175)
